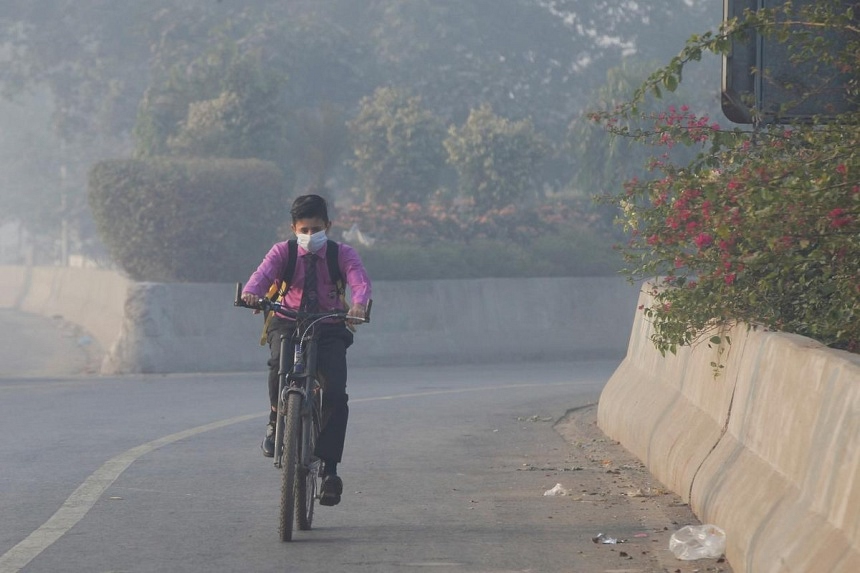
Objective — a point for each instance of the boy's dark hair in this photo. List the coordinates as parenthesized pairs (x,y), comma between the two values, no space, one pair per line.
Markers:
(309,207)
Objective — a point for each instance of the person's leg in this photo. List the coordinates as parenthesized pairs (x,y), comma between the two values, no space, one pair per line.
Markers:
(331,364)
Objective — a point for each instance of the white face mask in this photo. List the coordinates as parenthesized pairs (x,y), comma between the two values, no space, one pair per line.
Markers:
(312,243)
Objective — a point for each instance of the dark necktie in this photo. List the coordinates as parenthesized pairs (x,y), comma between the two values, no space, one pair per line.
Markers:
(310,303)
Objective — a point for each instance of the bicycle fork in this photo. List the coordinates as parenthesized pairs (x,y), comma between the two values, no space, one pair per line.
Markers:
(287,385)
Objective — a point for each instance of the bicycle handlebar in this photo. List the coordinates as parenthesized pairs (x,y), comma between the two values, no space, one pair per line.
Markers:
(267,305)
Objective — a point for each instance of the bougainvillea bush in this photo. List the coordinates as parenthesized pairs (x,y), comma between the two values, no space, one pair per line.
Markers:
(450,240)
(763,227)
(765,231)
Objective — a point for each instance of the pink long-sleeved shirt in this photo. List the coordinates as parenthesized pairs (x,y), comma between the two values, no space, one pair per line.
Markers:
(275,263)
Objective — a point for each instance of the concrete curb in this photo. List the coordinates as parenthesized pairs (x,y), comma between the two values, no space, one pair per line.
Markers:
(769,450)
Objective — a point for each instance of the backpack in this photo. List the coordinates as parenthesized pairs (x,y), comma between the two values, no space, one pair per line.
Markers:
(280,287)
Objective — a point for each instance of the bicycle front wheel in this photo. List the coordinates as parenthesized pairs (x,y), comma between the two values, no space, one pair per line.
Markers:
(289,465)
(307,479)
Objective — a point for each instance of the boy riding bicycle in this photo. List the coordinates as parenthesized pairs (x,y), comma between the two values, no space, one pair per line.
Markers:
(310,223)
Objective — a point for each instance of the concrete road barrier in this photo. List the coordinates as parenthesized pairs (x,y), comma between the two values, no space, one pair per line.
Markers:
(161,328)
(91,298)
(768,449)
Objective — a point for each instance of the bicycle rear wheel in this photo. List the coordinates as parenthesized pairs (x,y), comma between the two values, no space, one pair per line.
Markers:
(307,480)
(290,463)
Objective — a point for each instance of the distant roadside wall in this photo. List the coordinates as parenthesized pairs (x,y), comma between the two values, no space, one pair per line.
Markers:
(160,328)
(93,299)
(769,450)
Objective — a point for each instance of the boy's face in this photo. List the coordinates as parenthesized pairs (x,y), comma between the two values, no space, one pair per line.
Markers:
(310,226)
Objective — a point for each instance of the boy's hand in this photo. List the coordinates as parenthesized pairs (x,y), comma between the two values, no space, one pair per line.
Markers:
(251,299)
(356,315)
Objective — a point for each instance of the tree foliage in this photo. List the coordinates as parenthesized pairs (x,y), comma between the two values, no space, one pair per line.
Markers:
(497,159)
(763,226)
(198,77)
(607,158)
(226,104)
(398,147)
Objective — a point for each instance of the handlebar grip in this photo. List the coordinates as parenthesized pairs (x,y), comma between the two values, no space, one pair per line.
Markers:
(238,300)
(367,312)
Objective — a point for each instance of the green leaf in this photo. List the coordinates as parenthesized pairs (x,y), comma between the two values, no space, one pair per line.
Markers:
(670,82)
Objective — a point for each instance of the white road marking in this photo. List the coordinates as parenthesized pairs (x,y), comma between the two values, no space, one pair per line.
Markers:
(88,493)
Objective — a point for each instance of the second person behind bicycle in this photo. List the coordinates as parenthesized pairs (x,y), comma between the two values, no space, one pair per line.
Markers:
(312,289)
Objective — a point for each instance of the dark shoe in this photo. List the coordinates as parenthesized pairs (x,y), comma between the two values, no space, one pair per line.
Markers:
(332,487)
(268,445)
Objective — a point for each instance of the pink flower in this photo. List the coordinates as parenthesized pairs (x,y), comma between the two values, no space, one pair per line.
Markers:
(838,218)
(730,278)
(703,240)
(841,169)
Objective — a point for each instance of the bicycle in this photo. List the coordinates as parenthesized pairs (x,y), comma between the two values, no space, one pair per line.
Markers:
(299,414)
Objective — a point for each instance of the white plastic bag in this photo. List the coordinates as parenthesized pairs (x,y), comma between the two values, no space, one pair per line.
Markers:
(557,490)
(698,542)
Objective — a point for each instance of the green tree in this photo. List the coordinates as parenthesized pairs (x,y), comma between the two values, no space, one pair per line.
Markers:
(225,104)
(763,226)
(397,146)
(497,159)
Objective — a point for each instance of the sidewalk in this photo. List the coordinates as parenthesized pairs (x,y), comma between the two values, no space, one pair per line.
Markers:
(608,487)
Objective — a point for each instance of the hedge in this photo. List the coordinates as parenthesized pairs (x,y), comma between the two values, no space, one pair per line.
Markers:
(199,220)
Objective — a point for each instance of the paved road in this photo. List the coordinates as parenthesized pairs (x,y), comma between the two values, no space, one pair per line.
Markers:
(445,470)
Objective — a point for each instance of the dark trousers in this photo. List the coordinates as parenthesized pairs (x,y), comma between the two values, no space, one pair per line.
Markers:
(334,339)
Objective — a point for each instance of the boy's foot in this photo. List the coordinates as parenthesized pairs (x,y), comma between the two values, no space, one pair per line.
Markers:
(332,488)
(268,445)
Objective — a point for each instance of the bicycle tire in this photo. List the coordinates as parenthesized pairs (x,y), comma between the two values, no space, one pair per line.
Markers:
(290,463)
(307,482)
